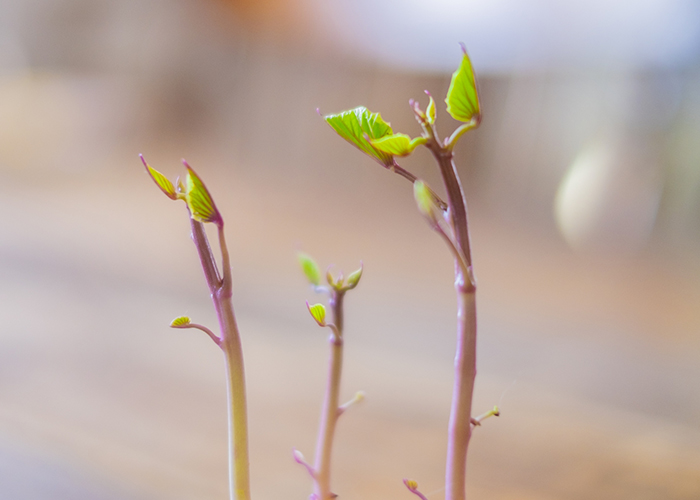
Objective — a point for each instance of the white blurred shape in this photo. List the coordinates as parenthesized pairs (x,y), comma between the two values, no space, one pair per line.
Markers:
(507,35)
(609,198)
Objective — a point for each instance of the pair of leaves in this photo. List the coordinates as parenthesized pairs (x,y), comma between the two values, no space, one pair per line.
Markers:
(313,274)
(193,192)
(372,135)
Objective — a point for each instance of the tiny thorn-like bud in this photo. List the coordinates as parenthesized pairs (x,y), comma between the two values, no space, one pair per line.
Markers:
(299,458)
(318,312)
(495,412)
(310,268)
(354,278)
(413,488)
(180,322)
(357,398)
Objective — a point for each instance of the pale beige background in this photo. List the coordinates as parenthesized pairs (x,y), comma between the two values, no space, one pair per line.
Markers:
(593,355)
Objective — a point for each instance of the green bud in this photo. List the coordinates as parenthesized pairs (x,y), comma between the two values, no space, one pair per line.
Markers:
(424,200)
(353,278)
(180,322)
(161,181)
(199,200)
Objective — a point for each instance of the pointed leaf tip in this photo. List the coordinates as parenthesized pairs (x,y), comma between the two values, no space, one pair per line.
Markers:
(356,125)
(318,312)
(430,112)
(462,96)
(310,268)
(180,322)
(199,200)
(161,181)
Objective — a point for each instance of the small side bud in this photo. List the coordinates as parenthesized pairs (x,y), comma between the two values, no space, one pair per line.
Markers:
(310,268)
(318,312)
(354,278)
(410,484)
(180,322)
(425,201)
(298,456)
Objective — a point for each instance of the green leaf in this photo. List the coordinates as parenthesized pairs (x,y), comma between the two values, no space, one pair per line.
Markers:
(318,311)
(430,112)
(161,181)
(310,268)
(199,200)
(354,278)
(398,144)
(462,98)
(354,124)
(180,322)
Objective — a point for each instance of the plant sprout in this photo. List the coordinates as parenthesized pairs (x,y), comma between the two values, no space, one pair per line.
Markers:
(373,136)
(202,210)
(331,411)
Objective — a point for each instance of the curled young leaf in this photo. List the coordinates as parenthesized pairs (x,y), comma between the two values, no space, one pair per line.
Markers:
(318,312)
(355,124)
(180,322)
(310,268)
(398,144)
(199,200)
(430,112)
(462,97)
(161,181)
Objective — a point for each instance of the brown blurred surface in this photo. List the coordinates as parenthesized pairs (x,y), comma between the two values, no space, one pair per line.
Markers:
(593,355)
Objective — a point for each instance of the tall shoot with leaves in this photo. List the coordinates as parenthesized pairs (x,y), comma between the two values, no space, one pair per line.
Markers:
(332,410)
(375,137)
(202,210)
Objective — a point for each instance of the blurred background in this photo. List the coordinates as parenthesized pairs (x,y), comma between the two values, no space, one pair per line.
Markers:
(583,185)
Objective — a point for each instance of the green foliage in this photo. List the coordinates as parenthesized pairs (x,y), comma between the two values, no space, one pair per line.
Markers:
(161,181)
(180,322)
(200,201)
(310,268)
(318,312)
(355,124)
(462,98)
(398,144)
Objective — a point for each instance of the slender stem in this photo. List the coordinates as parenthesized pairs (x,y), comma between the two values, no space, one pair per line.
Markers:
(239,475)
(459,427)
(329,412)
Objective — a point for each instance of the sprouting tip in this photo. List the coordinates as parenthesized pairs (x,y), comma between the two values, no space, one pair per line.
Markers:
(464,48)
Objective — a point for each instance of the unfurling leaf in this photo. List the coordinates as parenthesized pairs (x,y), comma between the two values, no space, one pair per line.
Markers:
(180,322)
(199,200)
(462,97)
(355,124)
(398,144)
(310,268)
(354,278)
(430,112)
(318,312)
(161,181)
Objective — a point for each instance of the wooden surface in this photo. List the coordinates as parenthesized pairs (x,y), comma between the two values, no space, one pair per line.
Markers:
(594,361)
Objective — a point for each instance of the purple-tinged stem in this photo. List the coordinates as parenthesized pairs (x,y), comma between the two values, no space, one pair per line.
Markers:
(459,427)
(331,403)
(221,293)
